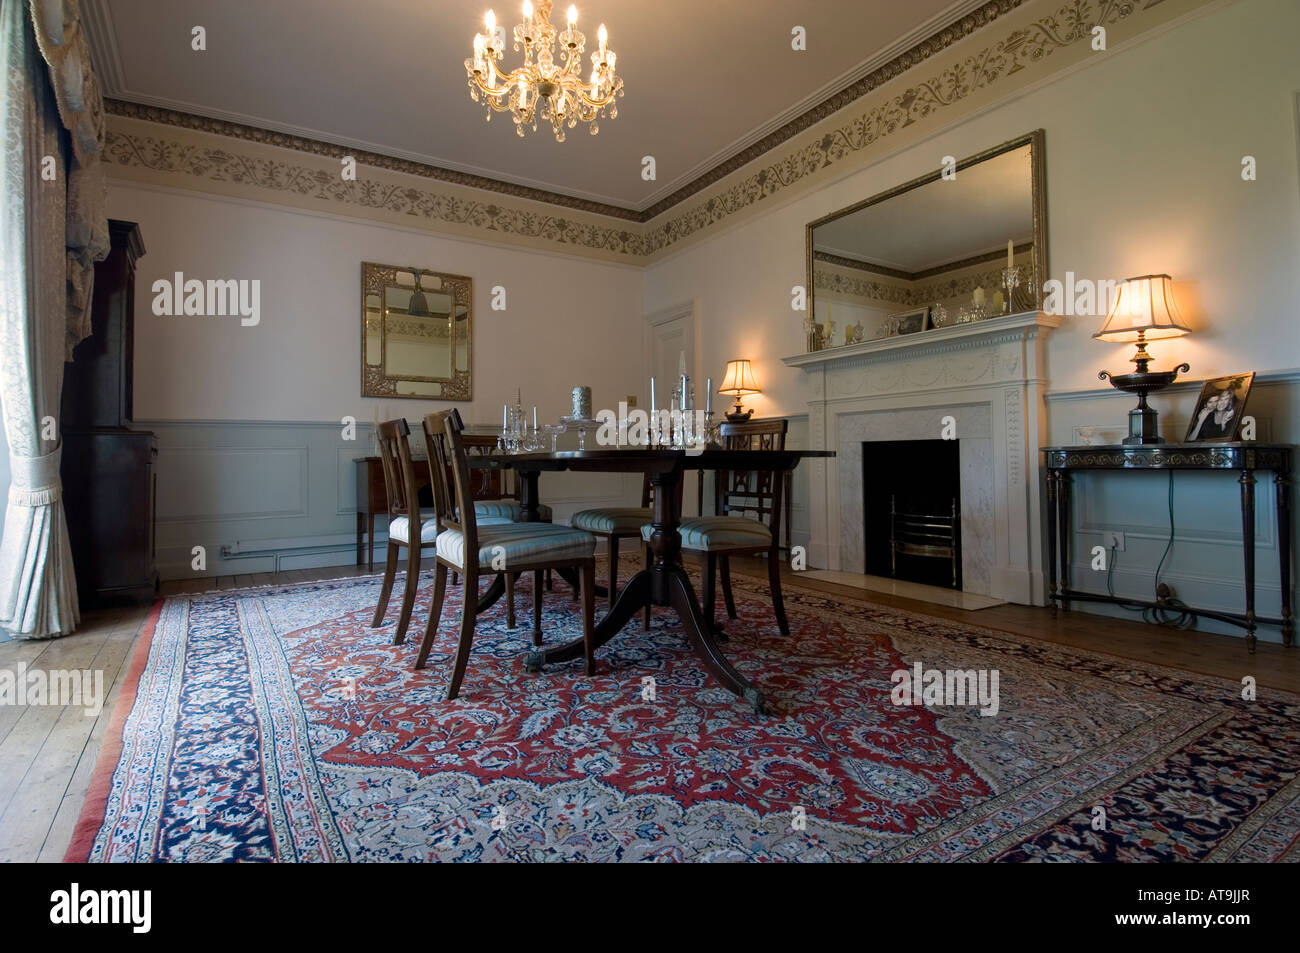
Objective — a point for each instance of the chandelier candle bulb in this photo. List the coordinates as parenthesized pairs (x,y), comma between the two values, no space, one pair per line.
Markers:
(534,418)
(708,396)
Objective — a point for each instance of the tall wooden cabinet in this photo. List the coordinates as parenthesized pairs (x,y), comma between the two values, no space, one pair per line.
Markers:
(109,485)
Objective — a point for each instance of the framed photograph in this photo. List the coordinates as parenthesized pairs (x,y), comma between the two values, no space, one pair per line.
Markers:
(1219,409)
(910,322)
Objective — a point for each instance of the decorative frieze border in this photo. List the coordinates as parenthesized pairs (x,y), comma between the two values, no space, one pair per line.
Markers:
(169,148)
(142,151)
(246,133)
(1022,51)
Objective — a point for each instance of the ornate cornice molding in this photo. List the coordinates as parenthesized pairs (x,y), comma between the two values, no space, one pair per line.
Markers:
(931,46)
(1027,42)
(1071,23)
(295,181)
(234,130)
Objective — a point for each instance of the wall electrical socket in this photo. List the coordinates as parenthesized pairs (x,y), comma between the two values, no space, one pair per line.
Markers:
(1114,541)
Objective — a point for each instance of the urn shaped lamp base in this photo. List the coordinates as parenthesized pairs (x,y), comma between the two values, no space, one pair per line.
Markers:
(1143,425)
(738,414)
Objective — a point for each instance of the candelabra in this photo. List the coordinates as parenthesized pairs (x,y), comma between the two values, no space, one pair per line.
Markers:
(1010,281)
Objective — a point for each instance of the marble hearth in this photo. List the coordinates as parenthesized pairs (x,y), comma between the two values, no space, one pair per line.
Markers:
(989,377)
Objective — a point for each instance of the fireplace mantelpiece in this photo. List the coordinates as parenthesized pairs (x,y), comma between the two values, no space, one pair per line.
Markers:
(991,374)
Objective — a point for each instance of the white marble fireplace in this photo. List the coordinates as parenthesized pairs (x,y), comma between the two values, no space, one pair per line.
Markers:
(989,377)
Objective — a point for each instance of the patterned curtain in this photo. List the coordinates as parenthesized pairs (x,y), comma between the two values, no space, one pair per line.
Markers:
(52,230)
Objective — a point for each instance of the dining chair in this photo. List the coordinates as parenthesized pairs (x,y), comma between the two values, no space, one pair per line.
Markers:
(405,522)
(613,523)
(469,548)
(758,496)
(494,503)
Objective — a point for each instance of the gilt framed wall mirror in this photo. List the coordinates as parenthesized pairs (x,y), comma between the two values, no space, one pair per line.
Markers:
(416,333)
(966,242)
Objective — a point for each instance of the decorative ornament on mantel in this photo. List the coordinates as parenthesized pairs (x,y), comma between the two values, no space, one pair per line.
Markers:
(540,86)
(1144,309)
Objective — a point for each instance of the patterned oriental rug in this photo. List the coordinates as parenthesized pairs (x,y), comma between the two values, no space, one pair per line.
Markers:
(272,724)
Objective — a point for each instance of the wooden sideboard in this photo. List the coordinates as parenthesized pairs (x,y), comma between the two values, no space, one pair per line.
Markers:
(372,500)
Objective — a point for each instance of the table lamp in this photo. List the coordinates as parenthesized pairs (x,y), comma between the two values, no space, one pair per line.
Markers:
(1143,310)
(737,382)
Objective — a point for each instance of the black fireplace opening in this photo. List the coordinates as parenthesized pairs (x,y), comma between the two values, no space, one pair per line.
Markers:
(911,507)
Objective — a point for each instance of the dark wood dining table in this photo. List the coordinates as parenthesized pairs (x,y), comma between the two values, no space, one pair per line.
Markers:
(666,582)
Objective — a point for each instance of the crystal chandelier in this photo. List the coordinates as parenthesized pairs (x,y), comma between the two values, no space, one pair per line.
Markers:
(557,92)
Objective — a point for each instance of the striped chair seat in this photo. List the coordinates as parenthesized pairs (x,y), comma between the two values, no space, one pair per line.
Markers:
(518,543)
(511,510)
(399,528)
(623,520)
(708,533)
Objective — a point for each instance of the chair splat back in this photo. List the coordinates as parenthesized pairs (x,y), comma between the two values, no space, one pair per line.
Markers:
(399,471)
(440,469)
(455,461)
(757,492)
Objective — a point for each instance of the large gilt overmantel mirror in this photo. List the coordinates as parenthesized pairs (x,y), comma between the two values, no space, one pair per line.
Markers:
(963,243)
(416,336)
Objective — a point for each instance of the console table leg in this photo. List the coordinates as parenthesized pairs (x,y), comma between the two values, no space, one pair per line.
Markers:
(1051,540)
(1063,533)
(1247,482)
(1282,484)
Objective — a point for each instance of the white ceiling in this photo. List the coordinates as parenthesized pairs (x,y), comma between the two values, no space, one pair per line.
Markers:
(703,80)
(941,221)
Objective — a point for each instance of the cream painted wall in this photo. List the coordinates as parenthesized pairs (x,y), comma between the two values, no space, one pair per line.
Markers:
(1144,151)
(251,462)
(567,320)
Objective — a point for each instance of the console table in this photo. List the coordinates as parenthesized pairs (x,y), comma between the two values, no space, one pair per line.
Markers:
(1245,458)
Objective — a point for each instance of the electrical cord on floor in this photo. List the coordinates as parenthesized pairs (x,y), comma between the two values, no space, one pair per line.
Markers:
(1163,614)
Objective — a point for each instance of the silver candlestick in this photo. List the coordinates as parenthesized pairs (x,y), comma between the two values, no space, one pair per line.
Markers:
(1010,281)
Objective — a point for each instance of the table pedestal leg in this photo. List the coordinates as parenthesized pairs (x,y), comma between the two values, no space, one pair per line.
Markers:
(665,583)
(491,594)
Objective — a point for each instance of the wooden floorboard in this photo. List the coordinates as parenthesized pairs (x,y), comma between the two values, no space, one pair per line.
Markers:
(1205,653)
(50,745)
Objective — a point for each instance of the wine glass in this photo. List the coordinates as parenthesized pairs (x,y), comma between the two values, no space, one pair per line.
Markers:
(553,431)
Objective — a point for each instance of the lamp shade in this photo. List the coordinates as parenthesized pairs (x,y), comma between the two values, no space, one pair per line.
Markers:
(1145,306)
(739,380)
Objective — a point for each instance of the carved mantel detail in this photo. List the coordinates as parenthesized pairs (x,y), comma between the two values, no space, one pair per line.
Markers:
(989,376)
